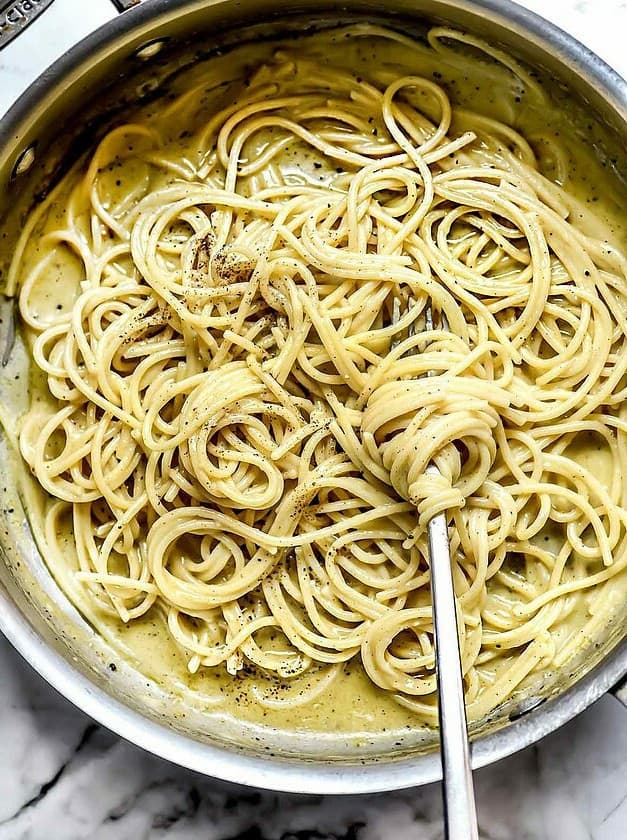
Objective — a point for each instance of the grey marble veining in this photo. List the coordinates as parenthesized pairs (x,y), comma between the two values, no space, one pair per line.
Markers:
(63,777)
(66,778)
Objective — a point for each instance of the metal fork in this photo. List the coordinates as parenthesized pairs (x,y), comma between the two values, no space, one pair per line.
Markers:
(460,815)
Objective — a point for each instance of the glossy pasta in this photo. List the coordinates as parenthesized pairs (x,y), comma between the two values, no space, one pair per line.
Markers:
(240,432)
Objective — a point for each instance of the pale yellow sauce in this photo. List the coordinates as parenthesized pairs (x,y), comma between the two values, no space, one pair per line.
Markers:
(351,704)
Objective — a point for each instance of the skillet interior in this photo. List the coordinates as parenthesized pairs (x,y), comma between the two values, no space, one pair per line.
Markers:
(36,610)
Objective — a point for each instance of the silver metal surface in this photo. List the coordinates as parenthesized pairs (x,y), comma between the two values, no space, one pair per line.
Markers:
(34,615)
(125,5)
(460,815)
(16,15)
(620,691)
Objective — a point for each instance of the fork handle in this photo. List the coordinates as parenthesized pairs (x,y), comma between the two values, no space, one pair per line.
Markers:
(460,816)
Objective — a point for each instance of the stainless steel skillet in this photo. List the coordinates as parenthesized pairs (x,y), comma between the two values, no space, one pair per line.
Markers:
(124,59)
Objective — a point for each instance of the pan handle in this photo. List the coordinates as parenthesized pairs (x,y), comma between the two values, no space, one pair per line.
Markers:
(123,5)
(17,15)
(620,691)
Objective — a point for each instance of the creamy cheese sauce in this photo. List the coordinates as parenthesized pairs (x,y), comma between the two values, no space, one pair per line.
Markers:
(349,702)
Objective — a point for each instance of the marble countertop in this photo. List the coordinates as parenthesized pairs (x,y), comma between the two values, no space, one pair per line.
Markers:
(63,777)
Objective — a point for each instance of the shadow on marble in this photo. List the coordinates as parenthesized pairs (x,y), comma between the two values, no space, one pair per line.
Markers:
(67,778)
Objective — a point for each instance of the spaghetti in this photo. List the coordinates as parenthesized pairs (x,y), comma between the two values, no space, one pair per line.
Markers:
(240,431)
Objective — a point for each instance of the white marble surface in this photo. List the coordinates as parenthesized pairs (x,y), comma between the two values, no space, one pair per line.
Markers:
(63,777)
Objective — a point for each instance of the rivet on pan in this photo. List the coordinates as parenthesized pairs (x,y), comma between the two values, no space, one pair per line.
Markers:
(24,162)
(150,49)
(526,706)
